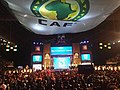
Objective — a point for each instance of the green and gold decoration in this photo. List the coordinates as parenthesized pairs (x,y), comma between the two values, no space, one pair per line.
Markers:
(68,10)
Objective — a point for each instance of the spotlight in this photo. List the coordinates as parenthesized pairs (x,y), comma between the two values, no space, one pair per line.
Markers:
(15,46)
(4,43)
(4,40)
(109,47)
(119,41)
(8,42)
(7,46)
(15,50)
(7,50)
(11,47)
(100,43)
(113,42)
(105,45)
(33,42)
(101,47)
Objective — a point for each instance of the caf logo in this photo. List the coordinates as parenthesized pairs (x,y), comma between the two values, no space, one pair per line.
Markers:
(68,10)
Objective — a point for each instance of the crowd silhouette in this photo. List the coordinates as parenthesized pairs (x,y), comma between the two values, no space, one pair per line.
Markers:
(60,80)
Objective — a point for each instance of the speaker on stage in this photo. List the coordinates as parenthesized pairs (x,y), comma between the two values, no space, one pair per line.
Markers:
(85,69)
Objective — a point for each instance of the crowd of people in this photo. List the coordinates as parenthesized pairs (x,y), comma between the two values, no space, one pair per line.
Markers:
(60,80)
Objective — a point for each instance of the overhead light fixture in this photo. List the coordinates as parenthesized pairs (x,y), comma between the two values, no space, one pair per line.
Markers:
(7,50)
(33,42)
(15,50)
(109,47)
(15,46)
(113,42)
(11,47)
(101,47)
(7,46)
(4,43)
(8,42)
(118,41)
(105,45)
(100,43)
(4,40)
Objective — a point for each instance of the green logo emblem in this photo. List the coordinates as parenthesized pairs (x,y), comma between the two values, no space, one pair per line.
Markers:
(69,10)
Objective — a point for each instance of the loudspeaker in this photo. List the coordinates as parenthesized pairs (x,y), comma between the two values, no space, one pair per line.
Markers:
(85,69)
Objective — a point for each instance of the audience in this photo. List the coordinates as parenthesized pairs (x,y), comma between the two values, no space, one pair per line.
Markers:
(60,80)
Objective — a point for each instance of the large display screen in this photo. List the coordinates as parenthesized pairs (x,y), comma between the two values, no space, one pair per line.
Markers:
(61,62)
(37,67)
(63,50)
(85,57)
(37,58)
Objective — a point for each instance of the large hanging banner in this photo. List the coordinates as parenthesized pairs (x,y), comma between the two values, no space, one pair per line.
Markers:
(49,17)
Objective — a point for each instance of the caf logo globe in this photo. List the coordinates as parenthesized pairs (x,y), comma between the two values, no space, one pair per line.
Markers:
(68,10)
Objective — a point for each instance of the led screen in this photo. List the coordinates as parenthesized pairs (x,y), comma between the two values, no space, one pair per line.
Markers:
(61,62)
(37,67)
(85,57)
(37,58)
(66,50)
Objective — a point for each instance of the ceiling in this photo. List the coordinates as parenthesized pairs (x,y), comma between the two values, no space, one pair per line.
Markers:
(13,31)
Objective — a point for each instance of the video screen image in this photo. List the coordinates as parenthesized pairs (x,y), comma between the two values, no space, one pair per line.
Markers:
(64,50)
(37,67)
(61,62)
(37,58)
(85,57)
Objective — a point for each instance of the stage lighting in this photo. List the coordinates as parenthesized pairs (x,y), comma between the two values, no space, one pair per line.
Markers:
(15,46)
(15,50)
(100,43)
(101,47)
(8,42)
(7,46)
(113,42)
(7,50)
(119,41)
(11,47)
(105,45)
(109,43)
(109,47)
(33,42)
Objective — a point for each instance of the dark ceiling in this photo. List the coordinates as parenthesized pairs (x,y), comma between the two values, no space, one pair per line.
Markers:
(13,31)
